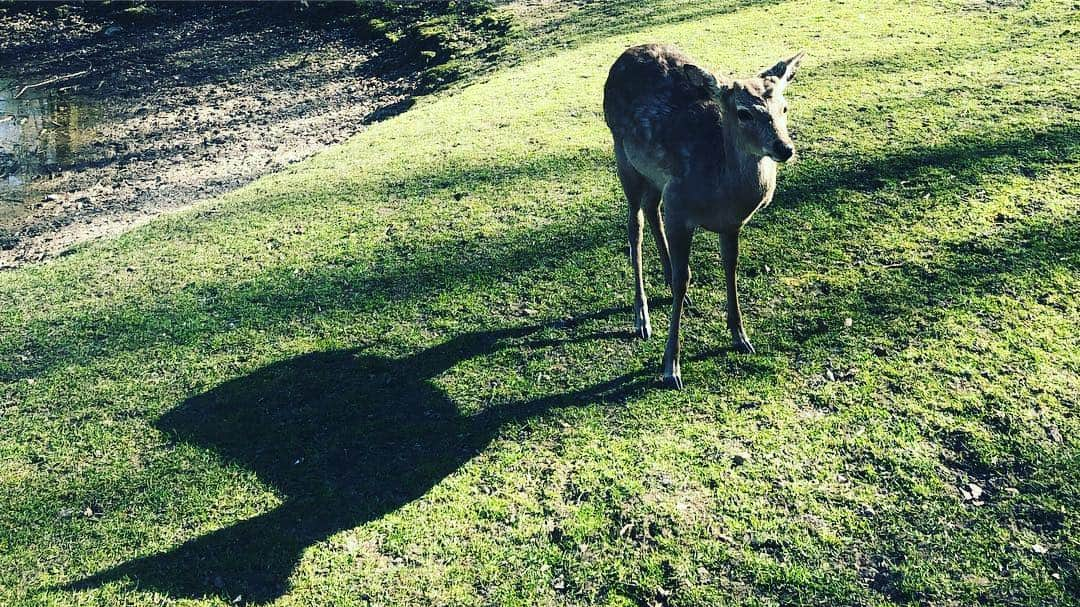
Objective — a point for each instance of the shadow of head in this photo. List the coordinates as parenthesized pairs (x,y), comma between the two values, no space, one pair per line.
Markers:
(344,437)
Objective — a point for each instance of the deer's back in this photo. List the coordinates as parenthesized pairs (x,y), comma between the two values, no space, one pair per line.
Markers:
(654,110)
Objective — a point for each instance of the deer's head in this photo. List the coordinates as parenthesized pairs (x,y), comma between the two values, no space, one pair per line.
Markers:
(755,108)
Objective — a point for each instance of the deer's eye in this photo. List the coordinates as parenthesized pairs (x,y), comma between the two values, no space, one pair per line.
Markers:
(745,115)
(785,109)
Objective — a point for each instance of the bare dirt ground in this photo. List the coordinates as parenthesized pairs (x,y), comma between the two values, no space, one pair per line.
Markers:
(142,116)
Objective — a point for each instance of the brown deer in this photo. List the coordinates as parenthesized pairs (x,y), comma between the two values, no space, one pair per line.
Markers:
(708,147)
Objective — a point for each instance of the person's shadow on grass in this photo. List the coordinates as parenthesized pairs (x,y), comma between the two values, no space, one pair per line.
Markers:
(344,438)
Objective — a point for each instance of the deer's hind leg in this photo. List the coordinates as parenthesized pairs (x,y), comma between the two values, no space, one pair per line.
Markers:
(638,191)
(650,204)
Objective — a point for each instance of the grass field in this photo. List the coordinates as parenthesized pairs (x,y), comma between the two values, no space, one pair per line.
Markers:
(401,373)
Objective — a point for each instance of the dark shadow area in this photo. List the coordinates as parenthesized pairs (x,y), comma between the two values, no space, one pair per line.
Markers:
(344,437)
(961,158)
(173,37)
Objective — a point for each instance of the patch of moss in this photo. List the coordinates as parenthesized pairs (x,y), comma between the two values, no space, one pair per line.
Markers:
(432,34)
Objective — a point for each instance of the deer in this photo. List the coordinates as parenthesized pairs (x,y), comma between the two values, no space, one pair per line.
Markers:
(708,148)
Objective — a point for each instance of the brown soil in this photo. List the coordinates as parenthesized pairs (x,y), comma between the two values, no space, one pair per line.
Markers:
(176,106)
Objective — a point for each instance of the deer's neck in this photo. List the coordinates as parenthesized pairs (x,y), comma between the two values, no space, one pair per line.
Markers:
(749,176)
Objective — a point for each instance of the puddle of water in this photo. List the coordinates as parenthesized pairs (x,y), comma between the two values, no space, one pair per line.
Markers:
(42,132)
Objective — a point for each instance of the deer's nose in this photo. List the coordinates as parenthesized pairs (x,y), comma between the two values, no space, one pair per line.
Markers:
(783,151)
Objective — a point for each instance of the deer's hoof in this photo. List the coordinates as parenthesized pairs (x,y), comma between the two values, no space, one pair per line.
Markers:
(642,324)
(643,330)
(742,345)
(673,382)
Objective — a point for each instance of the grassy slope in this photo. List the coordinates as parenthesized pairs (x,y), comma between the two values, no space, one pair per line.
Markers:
(400,373)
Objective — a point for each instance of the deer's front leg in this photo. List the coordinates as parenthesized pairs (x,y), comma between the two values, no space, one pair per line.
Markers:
(729,248)
(679,237)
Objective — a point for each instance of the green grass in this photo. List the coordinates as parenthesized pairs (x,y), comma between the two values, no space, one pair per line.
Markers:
(401,373)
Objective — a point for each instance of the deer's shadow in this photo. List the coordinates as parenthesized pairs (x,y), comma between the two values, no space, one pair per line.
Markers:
(344,437)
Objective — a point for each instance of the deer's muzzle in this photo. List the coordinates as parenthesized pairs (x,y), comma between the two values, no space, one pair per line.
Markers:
(782,151)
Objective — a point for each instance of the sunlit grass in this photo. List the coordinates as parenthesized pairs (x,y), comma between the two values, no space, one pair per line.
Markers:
(402,373)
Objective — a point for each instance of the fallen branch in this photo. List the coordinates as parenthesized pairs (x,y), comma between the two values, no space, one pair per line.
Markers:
(52,80)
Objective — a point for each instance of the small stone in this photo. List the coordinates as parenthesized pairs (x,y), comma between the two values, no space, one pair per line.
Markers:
(975,491)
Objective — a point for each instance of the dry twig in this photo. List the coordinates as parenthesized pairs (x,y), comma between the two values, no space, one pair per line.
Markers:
(52,80)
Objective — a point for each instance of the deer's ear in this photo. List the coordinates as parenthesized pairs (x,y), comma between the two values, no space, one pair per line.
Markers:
(784,71)
(702,78)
